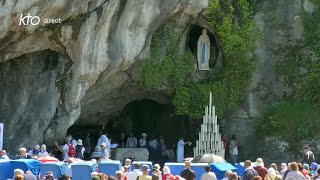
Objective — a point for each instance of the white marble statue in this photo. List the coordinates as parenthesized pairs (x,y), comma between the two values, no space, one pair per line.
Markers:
(203,51)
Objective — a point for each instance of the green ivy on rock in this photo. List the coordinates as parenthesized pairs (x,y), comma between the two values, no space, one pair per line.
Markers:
(167,66)
(237,33)
(295,118)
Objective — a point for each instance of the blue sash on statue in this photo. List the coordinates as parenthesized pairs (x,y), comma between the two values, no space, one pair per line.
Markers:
(203,53)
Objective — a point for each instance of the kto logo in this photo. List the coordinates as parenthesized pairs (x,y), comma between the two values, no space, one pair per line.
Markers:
(26,20)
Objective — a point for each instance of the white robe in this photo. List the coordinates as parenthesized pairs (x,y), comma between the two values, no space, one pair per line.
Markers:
(104,138)
(180,151)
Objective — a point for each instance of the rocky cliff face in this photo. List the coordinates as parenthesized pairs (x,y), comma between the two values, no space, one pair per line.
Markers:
(54,74)
(279,23)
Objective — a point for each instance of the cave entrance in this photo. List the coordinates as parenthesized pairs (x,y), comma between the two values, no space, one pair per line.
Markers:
(139,116)
(152,118)
(192,41)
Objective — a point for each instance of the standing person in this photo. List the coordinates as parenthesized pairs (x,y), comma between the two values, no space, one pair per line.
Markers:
(262,171)
(294,173)
(145,173)
(227,174)
(284,169)
(208,175)
(180,149)
(135,173)
(162,148)
(80,150)
(233,176)
(274,166)
(224,141)
(132,142)
(233,149)
(87,145)
(68,150)
(143,140)
(271,174)
(308,156)
(23,154)
(249,172)
(127,164)
(122,140)
(187,173)
(166,175)
(119,175)
(103,139)
(73,141)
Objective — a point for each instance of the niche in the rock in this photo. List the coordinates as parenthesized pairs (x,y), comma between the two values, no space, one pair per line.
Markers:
(192,41)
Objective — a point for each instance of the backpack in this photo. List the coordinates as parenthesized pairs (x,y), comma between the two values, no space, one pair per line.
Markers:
(72,151)
(78,152)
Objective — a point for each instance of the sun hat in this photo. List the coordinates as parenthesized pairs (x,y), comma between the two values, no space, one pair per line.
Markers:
(79,142)
(166,170)
(144,134)
(272,172)
(157,166)
(94,174)
(259,162)
(128,160)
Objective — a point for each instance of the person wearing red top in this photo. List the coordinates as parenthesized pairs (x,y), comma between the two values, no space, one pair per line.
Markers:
(166,174)
(301,169)
(262,171)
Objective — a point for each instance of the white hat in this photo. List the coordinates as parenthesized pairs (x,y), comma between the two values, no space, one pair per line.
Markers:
(103,144)
(79,142)
(166,170)
(94,174)
(144,134)
(272,172)
(157,166)
(128,160)
(259,162)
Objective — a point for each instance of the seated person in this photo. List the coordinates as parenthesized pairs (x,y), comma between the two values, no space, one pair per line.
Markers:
(43,152)
(3,155)
(23,154)
(96,153)
(164,151)
(153,144)
(104,151)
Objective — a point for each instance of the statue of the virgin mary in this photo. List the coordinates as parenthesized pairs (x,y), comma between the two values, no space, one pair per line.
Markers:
(203,51)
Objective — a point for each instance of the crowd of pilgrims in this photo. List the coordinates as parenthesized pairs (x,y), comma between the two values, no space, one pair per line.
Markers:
(85,150)
(75,150)
(253,171)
